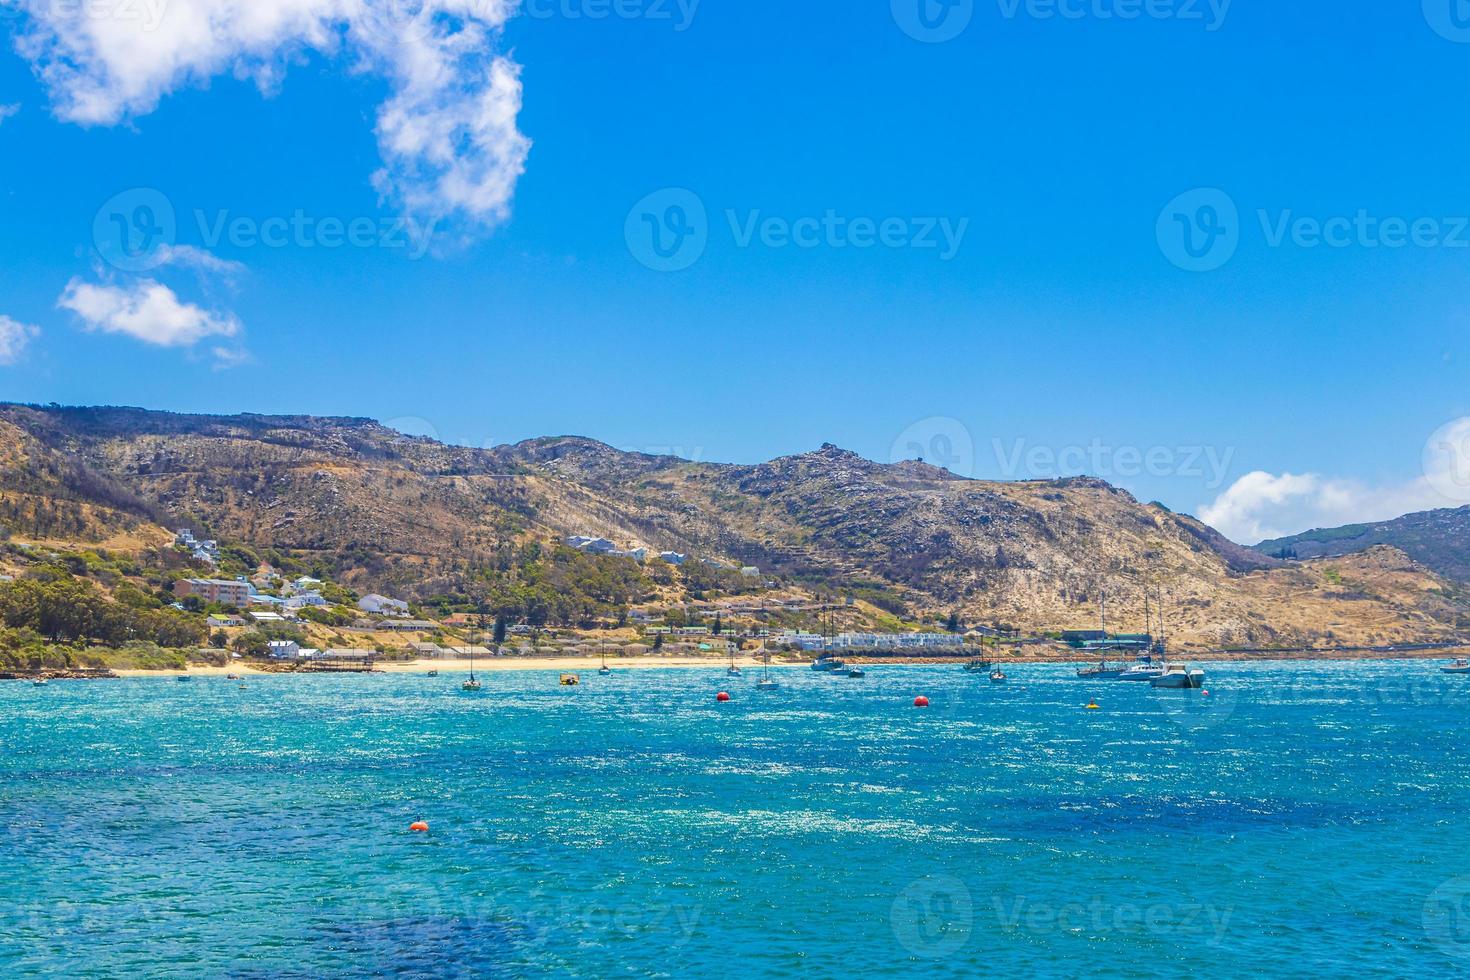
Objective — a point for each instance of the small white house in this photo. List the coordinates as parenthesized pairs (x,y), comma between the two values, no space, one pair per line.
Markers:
(284,650)
(381,605)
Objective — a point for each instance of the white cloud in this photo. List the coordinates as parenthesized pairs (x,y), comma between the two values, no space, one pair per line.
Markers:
(229,357)
(1262,505)
(6,111)
(15,337)
(197,258)
(448,137)
(146,310)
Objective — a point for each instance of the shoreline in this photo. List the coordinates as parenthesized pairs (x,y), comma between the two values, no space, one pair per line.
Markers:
(591,664)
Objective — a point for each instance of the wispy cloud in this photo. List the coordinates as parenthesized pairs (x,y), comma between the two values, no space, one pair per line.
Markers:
(6,111)
(448,135)
(15,337)
(1263,505)
(189,257)
(145,310)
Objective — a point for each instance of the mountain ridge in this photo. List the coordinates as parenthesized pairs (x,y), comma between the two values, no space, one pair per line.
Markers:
(388,511)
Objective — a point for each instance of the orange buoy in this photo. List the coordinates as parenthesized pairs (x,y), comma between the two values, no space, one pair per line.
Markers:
(921,702)
(722,696)
(419,827)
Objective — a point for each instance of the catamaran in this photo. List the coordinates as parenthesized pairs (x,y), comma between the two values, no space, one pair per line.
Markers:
(1180,676)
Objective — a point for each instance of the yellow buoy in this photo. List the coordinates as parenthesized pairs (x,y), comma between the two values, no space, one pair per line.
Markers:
(1092,706)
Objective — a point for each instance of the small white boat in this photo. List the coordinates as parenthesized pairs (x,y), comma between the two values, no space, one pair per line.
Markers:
(1461,666)
(604,670)
(856,672)
(1180,677)
(765,683)
(470,685)
(41,682)
(997,676)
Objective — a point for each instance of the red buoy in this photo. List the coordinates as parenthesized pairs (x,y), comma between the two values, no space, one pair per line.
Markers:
(722,696)
(419,827)
(921,702)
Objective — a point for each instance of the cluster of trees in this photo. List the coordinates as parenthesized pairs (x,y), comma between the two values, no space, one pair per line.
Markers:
(63,609)
(555,586)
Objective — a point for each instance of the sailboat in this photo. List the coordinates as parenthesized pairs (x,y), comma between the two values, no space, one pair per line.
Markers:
(997,676)
(604,670)
(734,669)
(472,684)
(765,683)
(1104,671)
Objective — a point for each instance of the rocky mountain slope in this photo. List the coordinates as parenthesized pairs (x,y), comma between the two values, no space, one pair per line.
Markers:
(397,512)
(1437,539)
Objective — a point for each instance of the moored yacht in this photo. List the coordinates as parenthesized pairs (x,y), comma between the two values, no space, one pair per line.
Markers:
(1180,676)
(827,663)
(1145,670)
(1460,666)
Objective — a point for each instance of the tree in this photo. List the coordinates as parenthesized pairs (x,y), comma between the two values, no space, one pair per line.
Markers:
(500,623)
(719,624)
(219,640)
(953,623)
(658,642)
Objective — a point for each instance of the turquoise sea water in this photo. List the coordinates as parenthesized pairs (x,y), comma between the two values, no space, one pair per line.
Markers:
(1301,819)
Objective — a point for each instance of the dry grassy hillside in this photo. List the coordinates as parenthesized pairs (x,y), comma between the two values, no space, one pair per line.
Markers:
(389,510)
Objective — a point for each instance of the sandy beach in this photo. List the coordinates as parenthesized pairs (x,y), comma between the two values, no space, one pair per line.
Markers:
(560,664)
(591,664)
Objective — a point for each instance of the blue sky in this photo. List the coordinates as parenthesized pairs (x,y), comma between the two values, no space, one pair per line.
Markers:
(1292,382)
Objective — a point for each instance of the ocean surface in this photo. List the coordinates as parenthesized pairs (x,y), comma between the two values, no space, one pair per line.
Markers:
(1300,819)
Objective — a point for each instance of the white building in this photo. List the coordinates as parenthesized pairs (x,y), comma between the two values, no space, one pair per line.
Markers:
(381,605)
(284,650)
